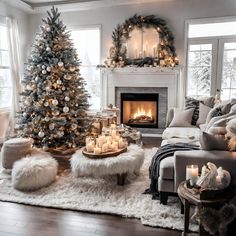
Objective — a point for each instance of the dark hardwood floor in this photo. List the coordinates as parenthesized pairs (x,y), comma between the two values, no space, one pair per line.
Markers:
(18,219)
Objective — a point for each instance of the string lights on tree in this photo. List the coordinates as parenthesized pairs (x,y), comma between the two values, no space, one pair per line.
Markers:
(54,101)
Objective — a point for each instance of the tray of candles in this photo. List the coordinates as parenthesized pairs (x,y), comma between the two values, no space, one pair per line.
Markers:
(105,146)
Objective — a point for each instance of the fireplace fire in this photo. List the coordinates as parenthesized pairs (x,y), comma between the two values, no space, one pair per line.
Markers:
(139,110)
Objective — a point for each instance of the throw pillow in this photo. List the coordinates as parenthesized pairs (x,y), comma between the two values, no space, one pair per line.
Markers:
(182,118)
(194,103)
(213,142)
(203,112)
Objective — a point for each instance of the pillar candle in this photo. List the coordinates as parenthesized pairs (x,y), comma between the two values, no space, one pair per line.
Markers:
(90,147)
(192,173)
(97,150)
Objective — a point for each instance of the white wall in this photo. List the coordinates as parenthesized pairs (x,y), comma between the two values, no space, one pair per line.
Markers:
(174,12)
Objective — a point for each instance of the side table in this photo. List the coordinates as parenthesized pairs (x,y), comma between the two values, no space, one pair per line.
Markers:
(188,198)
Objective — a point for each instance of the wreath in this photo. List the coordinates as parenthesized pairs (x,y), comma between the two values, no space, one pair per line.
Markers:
(166,49)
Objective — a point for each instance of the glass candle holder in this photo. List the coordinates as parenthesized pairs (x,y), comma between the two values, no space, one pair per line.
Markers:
(192,173)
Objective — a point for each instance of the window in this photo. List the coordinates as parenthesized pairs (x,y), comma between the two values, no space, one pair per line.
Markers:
(5,75)
(211,58)
(87,43)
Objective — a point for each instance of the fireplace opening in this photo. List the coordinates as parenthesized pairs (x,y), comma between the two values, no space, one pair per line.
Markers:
(139,109)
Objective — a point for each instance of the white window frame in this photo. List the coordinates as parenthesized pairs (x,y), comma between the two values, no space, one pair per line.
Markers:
(217,50)
(81,27)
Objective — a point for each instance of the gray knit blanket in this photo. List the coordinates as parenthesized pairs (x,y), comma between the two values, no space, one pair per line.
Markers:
(163,152)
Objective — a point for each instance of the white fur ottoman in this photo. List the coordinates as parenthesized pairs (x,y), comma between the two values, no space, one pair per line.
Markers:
(128,162)
(34,172)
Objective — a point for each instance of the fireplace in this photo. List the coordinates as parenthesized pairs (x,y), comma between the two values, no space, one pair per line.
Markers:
(139,109)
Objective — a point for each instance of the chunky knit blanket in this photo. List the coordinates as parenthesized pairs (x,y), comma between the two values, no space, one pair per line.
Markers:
(163,152)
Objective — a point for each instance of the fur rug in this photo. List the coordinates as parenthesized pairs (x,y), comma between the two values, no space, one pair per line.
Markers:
(101,195)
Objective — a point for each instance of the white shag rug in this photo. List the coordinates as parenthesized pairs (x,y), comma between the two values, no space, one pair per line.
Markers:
(101,195)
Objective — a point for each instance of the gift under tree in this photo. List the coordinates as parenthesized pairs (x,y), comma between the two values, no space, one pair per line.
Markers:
(54,101)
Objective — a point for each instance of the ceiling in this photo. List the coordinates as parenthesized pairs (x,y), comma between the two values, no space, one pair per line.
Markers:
(40,6)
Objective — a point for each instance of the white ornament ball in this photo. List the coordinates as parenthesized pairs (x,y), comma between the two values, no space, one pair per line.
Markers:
(48,49)
(24,114)
(47,28)
(63,88)
(47,118)
(41,134)
(60,63)
(37,78)
(54,102)
(67,99)
(51,126)
(44,72)
(46,104)
(59,81)
(47,88)
(66,109)
(48,69)
(43,67)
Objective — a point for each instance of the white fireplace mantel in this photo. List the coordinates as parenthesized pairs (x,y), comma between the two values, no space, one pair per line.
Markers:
(153,77)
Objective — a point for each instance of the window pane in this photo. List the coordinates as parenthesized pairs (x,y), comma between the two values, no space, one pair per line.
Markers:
(3,37)
(4,58)
(5,78)
(5,97)
(199,70)
(92,77)
(228,83)
(87,43)
(212,29)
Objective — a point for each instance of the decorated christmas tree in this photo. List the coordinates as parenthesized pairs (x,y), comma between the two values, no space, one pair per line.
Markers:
(54,100)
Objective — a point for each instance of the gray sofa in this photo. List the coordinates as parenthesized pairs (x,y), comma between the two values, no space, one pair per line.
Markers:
(173,169)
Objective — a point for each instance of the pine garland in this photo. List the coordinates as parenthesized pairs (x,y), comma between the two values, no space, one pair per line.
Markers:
(166,50)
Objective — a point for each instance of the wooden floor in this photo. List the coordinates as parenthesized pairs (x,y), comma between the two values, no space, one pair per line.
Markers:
(18,219)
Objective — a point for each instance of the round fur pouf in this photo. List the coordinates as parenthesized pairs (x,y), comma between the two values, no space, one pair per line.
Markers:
(34,172)
(13,150)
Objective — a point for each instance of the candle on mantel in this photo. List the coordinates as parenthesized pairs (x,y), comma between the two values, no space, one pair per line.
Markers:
(90,147)
(113,134)
(192,173)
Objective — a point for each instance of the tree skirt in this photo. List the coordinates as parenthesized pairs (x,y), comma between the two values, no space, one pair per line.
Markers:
(101,195)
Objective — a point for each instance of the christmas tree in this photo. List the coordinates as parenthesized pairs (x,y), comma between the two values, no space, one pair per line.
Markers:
(54,100)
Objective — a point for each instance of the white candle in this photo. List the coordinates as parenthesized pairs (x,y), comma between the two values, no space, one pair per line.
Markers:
(113,134)
(90,147)
(218,180)
(114,146)
(121,143)
(97,150)
(105,147)
(192,173)
(113,126)
(108,138)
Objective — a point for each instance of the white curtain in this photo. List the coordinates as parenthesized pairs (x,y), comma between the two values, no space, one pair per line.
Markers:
(16,67)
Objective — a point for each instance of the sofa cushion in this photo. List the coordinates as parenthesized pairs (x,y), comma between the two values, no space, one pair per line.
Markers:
(181,132)
(194,103)
(182,118)
(213,142)
(167,168)
(203,112)
(180,140)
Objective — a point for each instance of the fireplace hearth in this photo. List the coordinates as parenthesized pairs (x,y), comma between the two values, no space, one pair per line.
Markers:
(139,109)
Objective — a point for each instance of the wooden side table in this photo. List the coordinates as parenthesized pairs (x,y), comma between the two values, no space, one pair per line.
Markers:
(189,198)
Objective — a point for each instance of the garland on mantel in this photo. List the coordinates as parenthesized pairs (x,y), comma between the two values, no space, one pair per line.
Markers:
(166,55)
